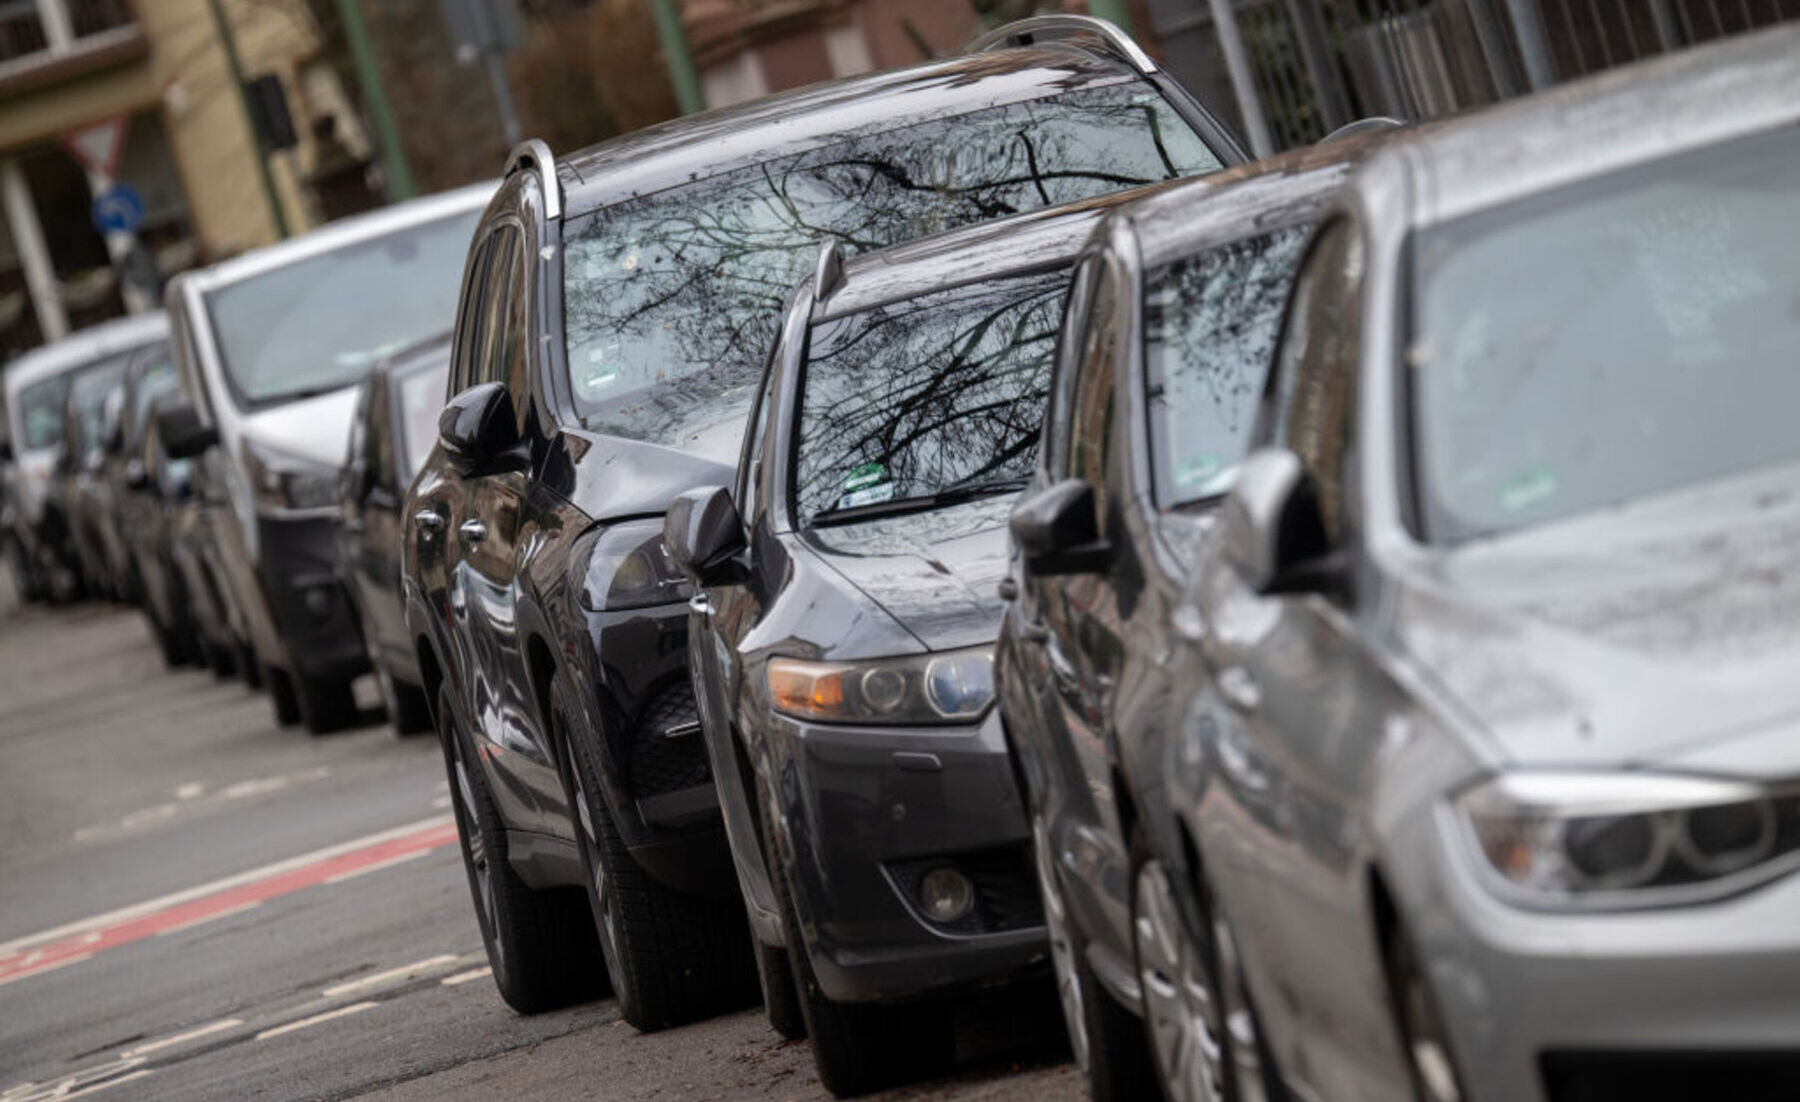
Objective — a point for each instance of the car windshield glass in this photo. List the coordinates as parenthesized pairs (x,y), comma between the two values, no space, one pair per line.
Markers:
(1612,340)
(941,393)
(421,400)
(321,323)
(41,411)
(1210,323)
(673,299)
(87,399)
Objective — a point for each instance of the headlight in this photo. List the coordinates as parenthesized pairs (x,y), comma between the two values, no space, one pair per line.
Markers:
(629,566)
(283,481)
(1626,839)
(952,686)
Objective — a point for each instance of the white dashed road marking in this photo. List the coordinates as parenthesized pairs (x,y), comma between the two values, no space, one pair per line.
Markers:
(316,1019)
(464,977)
(148,1047)
(391,976)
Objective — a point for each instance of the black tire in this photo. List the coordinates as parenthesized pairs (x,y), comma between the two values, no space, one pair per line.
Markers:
(781,1000)
(326,704)
(407,708)
(283,696)
(858,1048)
(1106,1040)
(671,958)
(221,660)
(252,671)
(540,944)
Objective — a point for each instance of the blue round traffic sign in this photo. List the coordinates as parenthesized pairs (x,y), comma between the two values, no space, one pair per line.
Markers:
(118,209)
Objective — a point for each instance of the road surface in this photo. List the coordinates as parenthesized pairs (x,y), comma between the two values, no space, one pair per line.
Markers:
(196,904)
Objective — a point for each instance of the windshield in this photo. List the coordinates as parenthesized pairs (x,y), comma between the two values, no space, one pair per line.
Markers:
(321,323)
(673,299)
(1609,341)
(940,393)
(41,411)
(1210,323)
(87,400)
(421,400)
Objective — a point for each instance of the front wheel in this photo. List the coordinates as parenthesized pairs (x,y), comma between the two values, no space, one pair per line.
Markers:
(1203,1031)
(327,704)
(540,945)
(671,958)
(405,704)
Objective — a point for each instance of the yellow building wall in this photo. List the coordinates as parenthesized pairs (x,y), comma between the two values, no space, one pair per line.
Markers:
(186,78)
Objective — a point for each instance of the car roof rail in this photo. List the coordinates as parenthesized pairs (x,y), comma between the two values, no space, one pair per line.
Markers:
(1056,28)
(830,271)
(533,153)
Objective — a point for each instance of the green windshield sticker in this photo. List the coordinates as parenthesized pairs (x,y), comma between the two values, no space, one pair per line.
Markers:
(1532,487)
(1196,469)
(868,474)
(871,496)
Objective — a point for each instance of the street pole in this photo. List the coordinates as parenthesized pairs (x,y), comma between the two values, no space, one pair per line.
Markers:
(680,60)
(1113,11)
(400,183)
(222,27)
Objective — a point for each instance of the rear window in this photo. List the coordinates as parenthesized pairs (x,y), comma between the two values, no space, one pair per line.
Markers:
(673,299)
(934,396)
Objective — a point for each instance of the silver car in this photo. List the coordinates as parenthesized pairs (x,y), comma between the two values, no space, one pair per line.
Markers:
(1493,771)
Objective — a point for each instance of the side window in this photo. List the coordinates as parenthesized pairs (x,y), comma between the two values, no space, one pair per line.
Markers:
(1090,416)
(1315,383)
(466,351)
(750,469)
(497,306)
(1067,370)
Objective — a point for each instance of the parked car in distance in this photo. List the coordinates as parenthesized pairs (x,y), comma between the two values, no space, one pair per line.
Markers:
(1489,763)
(76,491)
(393,429)
(842,644)
(39,541)
(270,347)
(1170,332)
(148,488)
(617,307)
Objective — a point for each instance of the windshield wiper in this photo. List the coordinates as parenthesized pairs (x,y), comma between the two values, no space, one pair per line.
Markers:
(899,506)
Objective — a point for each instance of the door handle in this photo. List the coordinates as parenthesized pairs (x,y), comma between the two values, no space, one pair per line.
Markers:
(472,530)
(1239,688)
(428,521)
(699,603)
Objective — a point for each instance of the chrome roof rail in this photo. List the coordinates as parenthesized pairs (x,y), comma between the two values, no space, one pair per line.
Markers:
(830,271)
(1051,28)
(533,153)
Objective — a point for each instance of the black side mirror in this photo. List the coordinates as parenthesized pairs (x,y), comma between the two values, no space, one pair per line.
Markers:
(1057,530)
(479,424)
(1274,529)
(705,535)
(183,434)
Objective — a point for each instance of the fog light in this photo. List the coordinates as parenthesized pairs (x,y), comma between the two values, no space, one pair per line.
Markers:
(946,894)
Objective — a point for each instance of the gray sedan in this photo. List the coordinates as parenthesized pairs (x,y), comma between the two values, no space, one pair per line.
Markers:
(1493,767)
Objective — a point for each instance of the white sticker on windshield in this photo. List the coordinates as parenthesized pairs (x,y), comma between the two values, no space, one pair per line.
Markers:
(870,496)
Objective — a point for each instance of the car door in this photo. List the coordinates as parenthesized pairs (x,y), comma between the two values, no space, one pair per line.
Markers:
(1297,695)
(1072,611)
(489,538)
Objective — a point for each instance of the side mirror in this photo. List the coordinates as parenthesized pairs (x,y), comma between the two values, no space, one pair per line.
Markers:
(183,434)
(1057,530)
(705,535)
(1274,530)
(479,424)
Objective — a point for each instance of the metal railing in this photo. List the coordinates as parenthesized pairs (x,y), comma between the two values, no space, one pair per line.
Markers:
(1313,65)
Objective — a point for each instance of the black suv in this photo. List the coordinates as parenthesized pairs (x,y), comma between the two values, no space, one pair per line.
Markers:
(617,308)
(1176,306)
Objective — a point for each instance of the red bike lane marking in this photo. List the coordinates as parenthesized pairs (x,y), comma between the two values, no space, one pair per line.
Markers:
(131,925)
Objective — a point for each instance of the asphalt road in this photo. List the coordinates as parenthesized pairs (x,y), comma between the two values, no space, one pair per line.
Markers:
(196,904)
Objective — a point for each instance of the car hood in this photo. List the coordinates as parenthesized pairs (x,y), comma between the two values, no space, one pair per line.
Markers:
(315,429)
(612,477)
(937,574)
(1662,632)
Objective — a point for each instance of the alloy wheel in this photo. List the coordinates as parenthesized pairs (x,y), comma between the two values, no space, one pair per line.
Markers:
(1182,1011)
(1062,946)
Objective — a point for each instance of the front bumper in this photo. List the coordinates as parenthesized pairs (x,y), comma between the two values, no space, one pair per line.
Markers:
(866,812)
(1699,1001)
(307,615)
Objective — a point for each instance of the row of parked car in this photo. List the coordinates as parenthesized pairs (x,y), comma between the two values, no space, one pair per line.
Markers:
(935,528)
